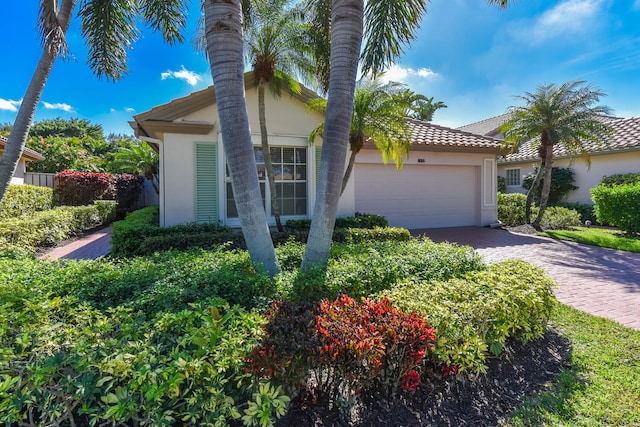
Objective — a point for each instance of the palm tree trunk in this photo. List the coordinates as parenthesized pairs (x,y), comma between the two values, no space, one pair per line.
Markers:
(532,191)
(346,40)
(16,142)
(266,154)
(546,185)
(347,173)
(223,29)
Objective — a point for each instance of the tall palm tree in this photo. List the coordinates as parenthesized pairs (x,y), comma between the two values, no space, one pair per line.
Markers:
(139,159)
(379,115)
(275,48)
(223,27)
(109,29)
(391,25)
(556,115)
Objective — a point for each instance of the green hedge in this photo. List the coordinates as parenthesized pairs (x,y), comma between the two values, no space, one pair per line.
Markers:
(139,234)
(359,220)
(511,212)
(475,315)
(41,229)
(25,200)
(618,205)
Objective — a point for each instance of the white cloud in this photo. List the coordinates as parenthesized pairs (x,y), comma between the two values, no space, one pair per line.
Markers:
(9,104)
(397,73)
(130,110)
(188,76)
(569,17)
(59,106)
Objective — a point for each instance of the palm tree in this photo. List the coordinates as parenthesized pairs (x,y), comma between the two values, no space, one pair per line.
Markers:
(139,159)
(225,45)
(109,29)
(274,46)
(379,115)
(424,108)
(391,25)
(556,115)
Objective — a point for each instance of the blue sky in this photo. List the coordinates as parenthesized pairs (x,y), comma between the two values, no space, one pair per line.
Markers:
(473,57)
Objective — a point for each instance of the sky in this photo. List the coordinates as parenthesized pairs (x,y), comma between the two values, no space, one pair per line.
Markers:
(473,57)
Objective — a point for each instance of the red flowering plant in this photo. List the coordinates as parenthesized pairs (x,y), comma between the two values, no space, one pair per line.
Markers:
(371,344)
(82,188)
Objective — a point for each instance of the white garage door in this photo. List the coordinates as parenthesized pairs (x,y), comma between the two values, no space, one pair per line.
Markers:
(419,196)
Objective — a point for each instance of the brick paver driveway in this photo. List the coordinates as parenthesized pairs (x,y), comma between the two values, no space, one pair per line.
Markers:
(600,281)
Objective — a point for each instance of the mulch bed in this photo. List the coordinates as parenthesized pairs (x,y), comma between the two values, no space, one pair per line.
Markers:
(520,372)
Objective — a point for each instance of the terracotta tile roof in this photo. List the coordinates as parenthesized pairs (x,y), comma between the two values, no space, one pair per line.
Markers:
(626,137)
(429,136)
(28,153)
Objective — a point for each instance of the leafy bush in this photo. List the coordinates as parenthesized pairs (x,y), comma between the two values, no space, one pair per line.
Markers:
(26,233)
(511,208)
(68,363)
(621,179)
(344,347)
(361,269)
(618,205)
(562,180)
(359,220)
(585,210)
(129,233)
(25,200)
(127,191)
(476,314)
(81,188)
(502,184)
(559,218)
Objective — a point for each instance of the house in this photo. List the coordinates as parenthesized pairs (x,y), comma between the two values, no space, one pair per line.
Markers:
(448,180)
(28,155)
(619,154)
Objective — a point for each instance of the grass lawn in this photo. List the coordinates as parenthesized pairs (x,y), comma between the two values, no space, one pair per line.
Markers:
(602,386)
(604,237)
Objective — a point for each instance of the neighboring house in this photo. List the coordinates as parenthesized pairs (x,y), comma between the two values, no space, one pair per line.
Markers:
(618,155)
(448,180)
(28,155)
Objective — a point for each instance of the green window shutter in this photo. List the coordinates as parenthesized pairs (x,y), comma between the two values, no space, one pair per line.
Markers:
(318,153)
(206,166)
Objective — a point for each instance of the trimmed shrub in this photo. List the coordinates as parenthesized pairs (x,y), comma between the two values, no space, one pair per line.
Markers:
(511,208)
(585,210)
(618,205)
(359,220)
(559,218)
(621,179)
(127,192)
(41,229)
(475,315)
(502,184)
(82,188)
(25,200)
(129,233)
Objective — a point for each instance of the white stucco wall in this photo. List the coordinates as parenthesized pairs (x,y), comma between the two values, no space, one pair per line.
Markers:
(288,124)
(585,177)
(18,177)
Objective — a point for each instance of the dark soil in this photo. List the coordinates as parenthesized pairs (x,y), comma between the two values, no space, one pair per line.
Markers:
(520,372)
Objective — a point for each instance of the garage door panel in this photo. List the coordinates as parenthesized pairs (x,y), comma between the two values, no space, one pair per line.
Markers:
(419,196)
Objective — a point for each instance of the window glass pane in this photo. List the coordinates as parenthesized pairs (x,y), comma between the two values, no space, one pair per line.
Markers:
(287,207)
(301,155)
(287,191)
(262,172)
(232,212)
(258,153)
(301,173)
(301,206)
(301,190)
(276,154)
(288,155)
(286,174)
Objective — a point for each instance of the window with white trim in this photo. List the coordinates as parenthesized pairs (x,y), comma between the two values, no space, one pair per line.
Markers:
(290,175)
(513,178)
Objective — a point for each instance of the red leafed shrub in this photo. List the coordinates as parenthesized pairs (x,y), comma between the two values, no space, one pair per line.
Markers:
(127,190)
(373,344)
(82,188)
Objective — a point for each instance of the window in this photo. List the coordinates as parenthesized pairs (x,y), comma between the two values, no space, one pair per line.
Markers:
(513,177)
(290,176)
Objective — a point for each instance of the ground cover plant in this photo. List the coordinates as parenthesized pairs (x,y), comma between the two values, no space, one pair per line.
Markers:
(135,341)
(598,236)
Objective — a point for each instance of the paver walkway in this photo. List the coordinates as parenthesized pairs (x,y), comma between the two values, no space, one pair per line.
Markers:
(91,246)
(600,281)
